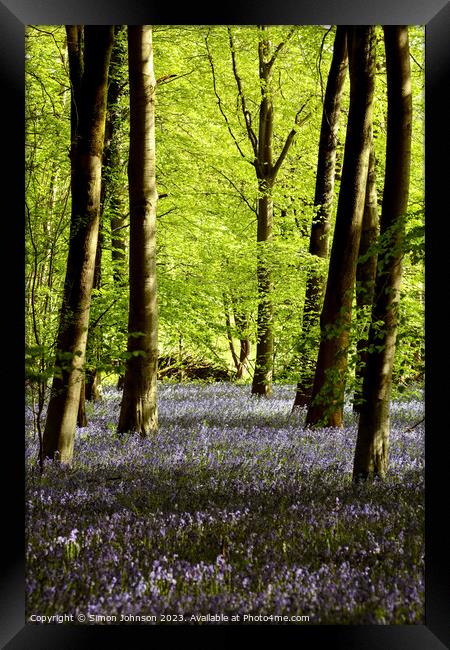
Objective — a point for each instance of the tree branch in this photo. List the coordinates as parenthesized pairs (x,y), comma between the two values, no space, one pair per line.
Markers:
(97,320)
(279,48)
(219,101)
(290,139)
(241,194)
(416,425)
(320,61)
(245,112)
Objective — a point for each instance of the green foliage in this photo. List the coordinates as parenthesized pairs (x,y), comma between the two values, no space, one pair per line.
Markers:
(206,219)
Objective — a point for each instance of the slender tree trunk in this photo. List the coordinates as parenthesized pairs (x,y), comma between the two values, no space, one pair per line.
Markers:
(82,420)
(262,378)
(240,361)
(244,343)
(139,402)
(365,273)
(326,406)
(86,151)
(92,343)
(266,172)
(109,194)
(230,332)
(117,211)
(372,445)
(323,203)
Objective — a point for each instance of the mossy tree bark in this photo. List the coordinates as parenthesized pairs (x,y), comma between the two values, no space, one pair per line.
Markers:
(326,408)
(138,413)
(89,55)
(372,445)
(323,203)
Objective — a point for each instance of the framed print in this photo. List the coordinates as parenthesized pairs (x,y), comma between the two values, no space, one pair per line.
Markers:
(52,158)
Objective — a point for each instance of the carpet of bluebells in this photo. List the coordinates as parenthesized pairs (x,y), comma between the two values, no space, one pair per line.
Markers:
(233,508)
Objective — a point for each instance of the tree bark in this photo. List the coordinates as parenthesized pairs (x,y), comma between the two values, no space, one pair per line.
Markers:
(241,323)
(86,153)
(266,172)
(372,445)
(365,274)
(109,200)
(138,412)
(323,204)
(82,420)
(262,378)
(326,406)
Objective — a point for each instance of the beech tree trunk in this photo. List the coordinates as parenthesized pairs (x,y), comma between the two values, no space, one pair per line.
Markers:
(266,172)
(326,408)
(138,412)
(365,274)
(109,202)
(87,127)
(87,390)
(372,445)
(323,203)
(262,378)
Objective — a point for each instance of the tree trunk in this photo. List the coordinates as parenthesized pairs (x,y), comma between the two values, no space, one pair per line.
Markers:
(139,402)
(240,321)
(266,172)
(372,445)
(118,220)
(230,333)
(323,203)
(326,406)
(86,153)
(244,343)
(109,194)
(365,274)
(92,375)
(82,420)
(262,378)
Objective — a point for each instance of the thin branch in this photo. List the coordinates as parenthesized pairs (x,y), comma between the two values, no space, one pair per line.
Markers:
(159,216)
(127,225)
(241,194)
(219,101)
(320,61)
(172,77)
(290,139)
(97,320)
(44,90)
(246,113)
(416,425)
(279,48)
(415,61)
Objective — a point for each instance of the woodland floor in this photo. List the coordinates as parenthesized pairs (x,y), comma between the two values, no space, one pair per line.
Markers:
(233,509)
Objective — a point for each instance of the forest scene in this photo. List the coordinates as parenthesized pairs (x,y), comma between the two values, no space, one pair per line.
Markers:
(224,306)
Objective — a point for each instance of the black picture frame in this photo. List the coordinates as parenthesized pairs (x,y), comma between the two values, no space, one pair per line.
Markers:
(15,633)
